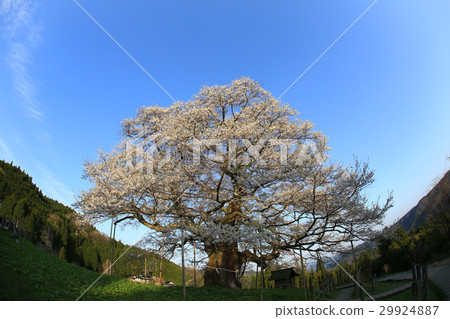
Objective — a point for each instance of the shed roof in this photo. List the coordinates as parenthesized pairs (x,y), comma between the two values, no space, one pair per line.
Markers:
(283,274)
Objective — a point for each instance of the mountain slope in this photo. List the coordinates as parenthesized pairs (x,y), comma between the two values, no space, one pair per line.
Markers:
(30,273)
(59,229)
(437,200)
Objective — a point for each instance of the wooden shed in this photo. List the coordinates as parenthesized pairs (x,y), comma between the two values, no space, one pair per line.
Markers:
(283,278)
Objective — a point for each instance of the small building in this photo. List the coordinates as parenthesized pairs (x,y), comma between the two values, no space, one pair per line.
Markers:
(283,278)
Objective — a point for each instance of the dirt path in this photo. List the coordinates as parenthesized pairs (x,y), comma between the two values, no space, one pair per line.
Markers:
(400,276)
(345,294)
(440,275)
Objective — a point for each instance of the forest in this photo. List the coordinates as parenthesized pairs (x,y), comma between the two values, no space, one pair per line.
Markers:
(61,231)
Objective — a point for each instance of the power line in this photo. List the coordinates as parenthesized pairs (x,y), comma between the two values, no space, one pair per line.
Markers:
(123,49)
(324,52)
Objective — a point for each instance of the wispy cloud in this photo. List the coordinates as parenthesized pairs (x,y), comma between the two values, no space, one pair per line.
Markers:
(51,185)
(22,32)
(5,152)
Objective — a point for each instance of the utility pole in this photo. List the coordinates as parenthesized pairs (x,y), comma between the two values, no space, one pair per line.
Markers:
(112,238)
(112,248)
(304,272)
(257,273)
(155,260)
(145,269)
(358,289)
(262,271)
(182,259)
(109,264)
(162,254)
(195,269)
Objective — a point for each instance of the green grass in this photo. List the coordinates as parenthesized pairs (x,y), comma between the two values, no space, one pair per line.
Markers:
(386,285)
(382,286)
(434,294)
(29,273)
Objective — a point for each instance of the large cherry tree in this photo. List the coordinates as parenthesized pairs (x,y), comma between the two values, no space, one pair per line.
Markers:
(237,170)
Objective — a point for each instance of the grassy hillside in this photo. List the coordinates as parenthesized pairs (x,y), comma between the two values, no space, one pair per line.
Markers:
(29,273)
(73,240)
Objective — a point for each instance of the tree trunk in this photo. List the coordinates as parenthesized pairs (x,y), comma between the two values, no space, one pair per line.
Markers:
(224,262)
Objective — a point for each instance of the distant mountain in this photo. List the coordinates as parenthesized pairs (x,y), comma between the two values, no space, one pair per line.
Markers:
(437,199)
(347,258)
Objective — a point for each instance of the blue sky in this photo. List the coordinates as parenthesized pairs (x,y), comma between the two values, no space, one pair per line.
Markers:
(381,93)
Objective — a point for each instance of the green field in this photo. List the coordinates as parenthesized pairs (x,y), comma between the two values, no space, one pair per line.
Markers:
(29,273)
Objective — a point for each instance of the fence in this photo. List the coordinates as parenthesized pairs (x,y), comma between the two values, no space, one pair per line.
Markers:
(420,282)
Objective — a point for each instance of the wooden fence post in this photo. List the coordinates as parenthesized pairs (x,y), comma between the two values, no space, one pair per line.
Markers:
(425,282)
(311,286)
(414,284)
(374,283)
